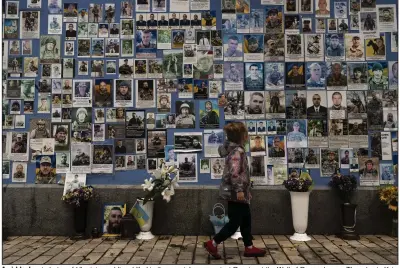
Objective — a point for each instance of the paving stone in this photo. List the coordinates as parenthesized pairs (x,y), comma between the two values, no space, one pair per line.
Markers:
(101,248)
(41,260)
(267,259)
(113,252)
(105,260)
(183,262)
(120,244)
(73,260)
(26,259)
(82,252)
(169,260)
(329,259)
(200,260)
(60,258)
(233,259)
(92,258)
(52,252)
(321,251)
(130,248)
(22,252)
(137,260)
(123,258)
(297,260)
(312,258)
(249,261)
(10,260)
(216,262)
(152,262)
(185,256)
(291,252)
(280,258)
(143,252)
(231,251)
(362,259)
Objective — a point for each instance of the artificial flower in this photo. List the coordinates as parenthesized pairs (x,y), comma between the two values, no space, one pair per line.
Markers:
(167,193)
(148,185)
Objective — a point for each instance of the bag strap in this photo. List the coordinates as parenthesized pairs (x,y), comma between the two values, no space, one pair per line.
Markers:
(218,205)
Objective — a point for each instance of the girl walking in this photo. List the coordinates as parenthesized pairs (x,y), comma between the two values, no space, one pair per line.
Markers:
(235,188)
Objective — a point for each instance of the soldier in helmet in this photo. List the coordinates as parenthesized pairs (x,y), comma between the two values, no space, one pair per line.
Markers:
(81,116)
(330,165)
(45,174)
(164,102)
(311,158)
(369,172)
(50,51)
(124,91)
(253,45)
(40,131)
(82,91)
(185,119)
(378,80)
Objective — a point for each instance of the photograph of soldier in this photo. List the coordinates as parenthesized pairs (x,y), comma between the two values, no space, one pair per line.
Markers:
(393,75)
(146,90)
(276,146)
(292,23)
(368,21)
(152,21)
(146,41)
(378,78)
(389,99)
(45,170)
(390,120)
(261,128)
(102,154)
(140,68)
(376,47)
(174,20)
(82,118)
(374,109)
(296,136)
(39,128)
(112,215)
(15,66)
(296,157)
(312,158)
(369,173)
(329,162)
(62,161)
(49,49)
(233,72)
(200,89)
(386,171)
(255,105)
(140,22)
(185,114)
(294,75)
(234,107)
(251,127)
(15,107)
(209,114)
(6,169)
(334,45)
(254,73)
(296,104)
(337,75)
(19,171)
(357,74)
(60,135)
(274,48)
(253,44)
(102,94)
(257,145)
(315,75)
(233,47)
(109,12)
(273,21)
(354,47)
(345,157)
(95,13)
(257,166)
(356,104)
(172,63)
(318,108)
(156,141)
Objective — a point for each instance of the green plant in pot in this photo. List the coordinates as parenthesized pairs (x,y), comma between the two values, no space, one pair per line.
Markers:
(345,186)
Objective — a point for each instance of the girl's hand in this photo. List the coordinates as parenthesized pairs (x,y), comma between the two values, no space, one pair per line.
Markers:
(240,196)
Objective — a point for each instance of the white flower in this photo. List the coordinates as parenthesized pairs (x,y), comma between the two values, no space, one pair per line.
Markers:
(157,174)
(167,193)
(148,185)
(174,182)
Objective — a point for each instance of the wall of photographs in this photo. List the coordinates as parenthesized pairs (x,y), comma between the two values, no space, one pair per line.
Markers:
(113,89)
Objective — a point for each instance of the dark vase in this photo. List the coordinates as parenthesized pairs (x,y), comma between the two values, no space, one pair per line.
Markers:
(80,218)
(349,213)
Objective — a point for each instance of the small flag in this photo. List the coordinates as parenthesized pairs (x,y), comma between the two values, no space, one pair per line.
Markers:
(140,215)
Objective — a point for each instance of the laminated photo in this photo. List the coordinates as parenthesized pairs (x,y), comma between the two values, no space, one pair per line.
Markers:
(292,24)
(296,157)
(378,75)
(274,75)
(243,23)
(98,132)
(296,104)
(6,169)
(254,73)
(257,170)
(256,21)
(212,139)
(275,104)
(376,48)
(357,75)
(15,66)
(109,12)
(354,22)
(233,76)
(82,93)
(389,100)
(187,163)
(291,6)
(276,149)
(393,74)
(217,168)
(274,47)
(170,156)
(294,75)
(99,115)
(228,23)
(312,159)
(184,86)
(208,20)
(156,141)
(172,63)
(30,25)
(205,166)
(112,215)
(60,133)
(164,39)
(306,6)
(356,104)
(55,24)
(123,93)
(279,174)
(314,47)
(390,121)
(45,169)
(19,121)
(316,73)
(135,124)
(188,142)
(254,105)
(329,162)
(375,110)
(261,127)
(322,9)
(387,174)
(69,48)
(296,133)
(334,44)
(336,76)
(306,25)
(10,28)
(317,105)
(394,40)
(102,158)
(317,133)
(234,107)
(62,162)
(233,50)
(74,181)
(294,47)
(130,162)
(145,94)
(257,145)
(140,68)
(19,172)
(140,146)
(338,133)
(343,26)
(369,171)
(203,69)
(126,48)
(146,43)
(369,23)
(155,68)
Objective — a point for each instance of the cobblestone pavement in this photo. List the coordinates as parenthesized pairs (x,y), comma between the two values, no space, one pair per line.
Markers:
(370,249)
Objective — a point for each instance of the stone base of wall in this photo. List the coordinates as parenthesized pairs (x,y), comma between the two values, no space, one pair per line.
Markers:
(39,210)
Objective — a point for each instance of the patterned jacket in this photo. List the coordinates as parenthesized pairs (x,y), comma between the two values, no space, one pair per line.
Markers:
(236,176)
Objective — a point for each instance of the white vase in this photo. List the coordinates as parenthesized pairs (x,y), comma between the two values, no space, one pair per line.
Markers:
(144,216)
(300,201)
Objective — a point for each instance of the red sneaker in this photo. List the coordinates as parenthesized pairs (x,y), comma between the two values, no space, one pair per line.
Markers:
(213,251)
(254,252)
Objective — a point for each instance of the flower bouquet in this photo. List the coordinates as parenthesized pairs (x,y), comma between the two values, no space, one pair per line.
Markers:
(162,182)
(78,196)
(345,185)
(390,196)
(298,183)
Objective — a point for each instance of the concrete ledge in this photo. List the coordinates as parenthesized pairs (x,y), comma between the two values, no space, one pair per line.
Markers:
(38,210)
